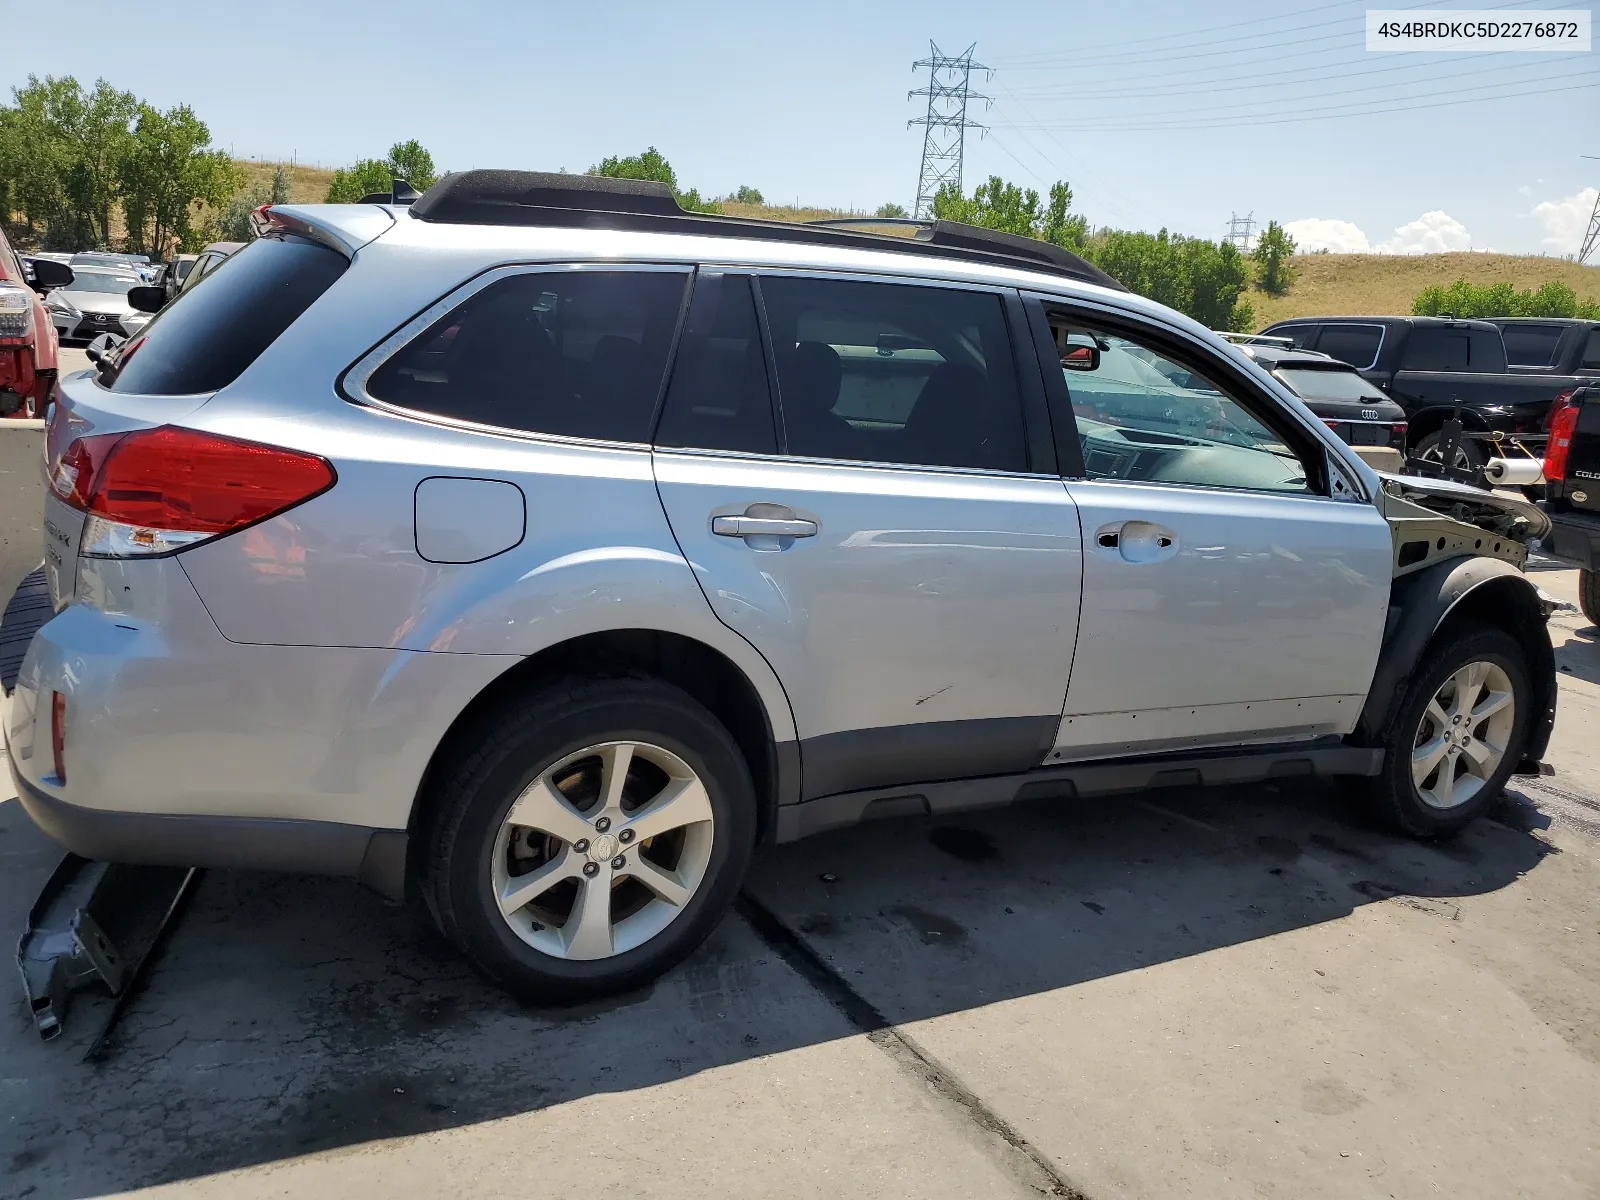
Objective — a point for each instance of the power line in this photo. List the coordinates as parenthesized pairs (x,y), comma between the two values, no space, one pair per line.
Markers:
(945,125)
(1386,95)
(1161,37)
(1591,236)
(1230,84)
(1318,114)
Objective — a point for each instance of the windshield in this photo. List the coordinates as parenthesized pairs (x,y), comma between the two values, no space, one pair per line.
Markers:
(100,281)
(1315,384)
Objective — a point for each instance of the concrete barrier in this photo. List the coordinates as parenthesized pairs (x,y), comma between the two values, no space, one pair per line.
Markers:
(21,501)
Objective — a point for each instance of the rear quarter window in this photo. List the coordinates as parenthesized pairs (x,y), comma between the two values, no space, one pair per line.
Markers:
(1531,345)
(205,338)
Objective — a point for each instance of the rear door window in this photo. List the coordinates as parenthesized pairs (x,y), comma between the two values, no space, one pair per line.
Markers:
(574,353)
(718,398)
(1531,345)
(1353,344)
(1446,348)
(895,373)
(205,338)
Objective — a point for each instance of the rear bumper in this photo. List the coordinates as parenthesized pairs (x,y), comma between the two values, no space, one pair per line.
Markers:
(376,857)
(1574,538)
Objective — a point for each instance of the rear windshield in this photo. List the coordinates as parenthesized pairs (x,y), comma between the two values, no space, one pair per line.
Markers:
(205,338)
(1316,384)
(1530,345)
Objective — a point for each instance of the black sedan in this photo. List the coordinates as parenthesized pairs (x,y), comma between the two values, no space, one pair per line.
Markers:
(1373,424)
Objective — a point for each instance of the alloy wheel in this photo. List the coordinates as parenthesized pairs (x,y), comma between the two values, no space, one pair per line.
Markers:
(603,850)
(1463,735)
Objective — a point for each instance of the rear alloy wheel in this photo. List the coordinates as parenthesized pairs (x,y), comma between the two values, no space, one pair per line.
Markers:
(603,850)
(590,836)
(1457,733)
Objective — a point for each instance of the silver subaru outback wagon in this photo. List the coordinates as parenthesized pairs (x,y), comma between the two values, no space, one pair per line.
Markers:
(538,549)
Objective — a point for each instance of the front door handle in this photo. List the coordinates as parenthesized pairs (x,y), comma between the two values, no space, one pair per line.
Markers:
(1137,541)
(743,527)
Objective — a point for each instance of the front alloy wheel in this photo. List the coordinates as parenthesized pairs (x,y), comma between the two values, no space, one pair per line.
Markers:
(603,850)
(1463,735)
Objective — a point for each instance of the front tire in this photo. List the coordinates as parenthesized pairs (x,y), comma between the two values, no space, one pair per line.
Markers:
(589,838)
(1456,735)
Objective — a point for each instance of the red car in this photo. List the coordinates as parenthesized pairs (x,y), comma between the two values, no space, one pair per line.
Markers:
(27,337)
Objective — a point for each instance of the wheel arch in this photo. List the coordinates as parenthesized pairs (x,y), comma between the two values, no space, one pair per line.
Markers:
(706,673)
(1443,597)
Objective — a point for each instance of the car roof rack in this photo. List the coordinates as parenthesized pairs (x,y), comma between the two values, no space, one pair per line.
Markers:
(488,197)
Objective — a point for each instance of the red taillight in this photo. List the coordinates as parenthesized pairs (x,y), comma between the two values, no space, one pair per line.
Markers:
(157,490)
(180,479)
(58,735)
(1330,424)
(1562,426)
(1398,429)
(1556,405)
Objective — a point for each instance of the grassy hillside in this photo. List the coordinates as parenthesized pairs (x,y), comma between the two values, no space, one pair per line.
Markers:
(307,185)
(1327,283)
(1375,284)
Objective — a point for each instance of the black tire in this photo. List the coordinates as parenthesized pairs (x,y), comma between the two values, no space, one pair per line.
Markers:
(1393,793)
(26,612)
(1589,594)
(508,752)
(1470,450)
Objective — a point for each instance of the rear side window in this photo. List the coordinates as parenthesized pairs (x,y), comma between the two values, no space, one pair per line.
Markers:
(1591,352)
(575,353)
(1431,348)
(895,373)
(205,339)
(718,398)
(1353,344)
(1531,345)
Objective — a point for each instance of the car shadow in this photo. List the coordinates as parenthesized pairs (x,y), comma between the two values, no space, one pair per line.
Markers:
(292,1014)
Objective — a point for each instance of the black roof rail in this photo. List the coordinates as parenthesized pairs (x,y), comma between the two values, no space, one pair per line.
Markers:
(598,202)
(400,192)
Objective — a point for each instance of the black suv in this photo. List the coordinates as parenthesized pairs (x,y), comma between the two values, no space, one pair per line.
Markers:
(1434,366)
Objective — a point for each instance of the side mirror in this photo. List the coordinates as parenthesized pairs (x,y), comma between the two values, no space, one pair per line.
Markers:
(48,273)
(1080,358)
(100,350)
(148,297)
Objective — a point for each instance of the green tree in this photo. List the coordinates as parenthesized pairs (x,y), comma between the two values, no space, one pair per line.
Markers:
(64,153)
(349,184)
(409,161)
(1198,278)
(168,175)
(652,166)
(745,194)
(1463,299)
(891,210)
(1273,251)
(1061,226)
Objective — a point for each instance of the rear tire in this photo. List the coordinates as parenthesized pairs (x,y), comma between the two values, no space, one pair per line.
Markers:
(599,884)
(1589,594)
(1469,455)
(1450,745)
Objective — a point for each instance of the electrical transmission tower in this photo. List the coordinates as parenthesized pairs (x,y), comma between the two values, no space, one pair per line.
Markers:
(945,125)
(1240,231)
(1591,237)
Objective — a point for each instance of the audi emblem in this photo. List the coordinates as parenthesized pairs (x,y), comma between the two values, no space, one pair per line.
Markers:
(1369,414)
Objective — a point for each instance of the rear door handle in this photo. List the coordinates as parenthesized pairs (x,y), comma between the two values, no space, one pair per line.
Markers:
(743,527)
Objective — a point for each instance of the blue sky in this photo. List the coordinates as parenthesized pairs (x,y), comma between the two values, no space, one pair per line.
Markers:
(1158,112)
